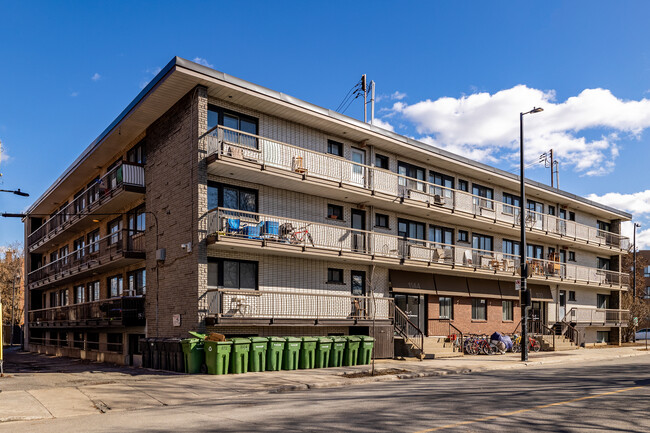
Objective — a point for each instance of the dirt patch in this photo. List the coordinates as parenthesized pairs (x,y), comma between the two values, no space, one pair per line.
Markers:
(385,372)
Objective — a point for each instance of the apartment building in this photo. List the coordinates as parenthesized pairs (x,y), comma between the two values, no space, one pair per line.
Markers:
(215,204)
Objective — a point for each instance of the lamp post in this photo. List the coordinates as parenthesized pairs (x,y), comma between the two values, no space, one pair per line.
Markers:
(525,294)
(636,225)
(17,192)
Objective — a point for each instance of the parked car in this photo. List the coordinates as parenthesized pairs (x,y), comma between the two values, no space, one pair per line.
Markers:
(641,334)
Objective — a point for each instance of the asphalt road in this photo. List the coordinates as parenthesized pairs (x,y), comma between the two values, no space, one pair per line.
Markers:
(611,396)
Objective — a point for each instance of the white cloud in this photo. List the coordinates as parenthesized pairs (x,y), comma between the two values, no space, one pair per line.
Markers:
(96,77)
(398,95)
(202,61)
(638,204)
(383,124)
(486,125)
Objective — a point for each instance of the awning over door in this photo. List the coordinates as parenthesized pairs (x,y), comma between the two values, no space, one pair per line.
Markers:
(447,285)
(412,282)
(540,292)
(483,288)
(508,290)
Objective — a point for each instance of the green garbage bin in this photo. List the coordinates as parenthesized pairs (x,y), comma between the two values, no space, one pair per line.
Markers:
(291,352)
(193,355)
(308,352)
(257,355)
(365,350)
(323,349)
(336,353)
(217,356)
(351,350)
(274,353)
(239,355)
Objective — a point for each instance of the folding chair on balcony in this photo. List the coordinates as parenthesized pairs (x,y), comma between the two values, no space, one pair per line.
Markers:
(357,310)
(233,225)
(467,257)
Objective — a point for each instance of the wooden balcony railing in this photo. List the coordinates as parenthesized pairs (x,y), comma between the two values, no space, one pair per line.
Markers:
(124,174)
(123,311)
(597,316)
(274,304)
(230,142)
(305,234)
(121,244)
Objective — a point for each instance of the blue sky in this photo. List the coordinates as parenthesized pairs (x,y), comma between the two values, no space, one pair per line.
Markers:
(455,74)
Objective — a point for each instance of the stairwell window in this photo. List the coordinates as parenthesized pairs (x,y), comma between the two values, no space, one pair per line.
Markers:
(479,309)
(572,295)
(446,307)
(508,311)
(381,220)
(334,276)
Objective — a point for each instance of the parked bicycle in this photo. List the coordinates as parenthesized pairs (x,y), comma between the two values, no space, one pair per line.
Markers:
(533,344)
(296,236)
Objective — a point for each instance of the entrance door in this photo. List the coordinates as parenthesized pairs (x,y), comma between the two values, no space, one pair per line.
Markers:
(358,237)
(358,171)
(410,305)
(538,311)
(562,302)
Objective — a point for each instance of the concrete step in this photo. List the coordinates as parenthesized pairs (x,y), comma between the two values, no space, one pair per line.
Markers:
(441,355)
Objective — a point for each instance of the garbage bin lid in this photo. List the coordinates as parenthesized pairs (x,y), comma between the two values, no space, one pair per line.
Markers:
(367,338)
(338,339)
(325,339)
(259,339)
(309,339)
(218,343)
(197,335)
(190,340)
(276,339)
(353,338)
(292,339)
(240,340)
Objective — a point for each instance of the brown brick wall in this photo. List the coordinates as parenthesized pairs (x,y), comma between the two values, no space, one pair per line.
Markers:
(462,317)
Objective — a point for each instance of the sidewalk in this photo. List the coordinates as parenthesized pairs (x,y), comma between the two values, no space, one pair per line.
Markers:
(37,386)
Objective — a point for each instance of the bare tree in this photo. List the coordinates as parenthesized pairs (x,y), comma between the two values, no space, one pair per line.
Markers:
(639,307)
(11,270)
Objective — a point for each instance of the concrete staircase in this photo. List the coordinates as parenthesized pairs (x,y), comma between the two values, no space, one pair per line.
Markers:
(561,343)
(434,348)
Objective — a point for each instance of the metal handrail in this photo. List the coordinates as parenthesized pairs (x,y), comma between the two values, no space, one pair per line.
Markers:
(222,140)
(570,332)
(408,330)
(122,308)
(595,315)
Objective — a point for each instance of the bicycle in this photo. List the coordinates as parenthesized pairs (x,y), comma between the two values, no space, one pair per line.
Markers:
(300,236)
(533,344)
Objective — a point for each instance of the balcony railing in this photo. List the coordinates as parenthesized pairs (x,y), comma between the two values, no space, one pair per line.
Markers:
(116,245)
(125,311)
(275,304)
(272,153)
(597,316)
(305,234)
(85,203)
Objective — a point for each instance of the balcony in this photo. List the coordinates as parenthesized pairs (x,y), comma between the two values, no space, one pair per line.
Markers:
(111,192)
(598,317)
(343,179)
(292,307)
(117,249)
(124,311)
(285,236)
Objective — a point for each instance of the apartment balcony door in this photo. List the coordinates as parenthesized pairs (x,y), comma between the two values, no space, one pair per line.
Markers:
(562,305)
(358,175)
(358,237)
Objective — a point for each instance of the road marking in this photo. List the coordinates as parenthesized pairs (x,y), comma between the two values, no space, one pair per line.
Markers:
(515,412)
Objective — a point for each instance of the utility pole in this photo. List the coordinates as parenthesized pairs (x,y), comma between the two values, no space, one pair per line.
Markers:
(364,88)
(551,168)
(372,102)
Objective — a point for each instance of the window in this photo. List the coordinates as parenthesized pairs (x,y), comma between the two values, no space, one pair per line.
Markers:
(511,247)
(358,283)
(92,340)
(79,294)
(137,282)
(445,182)
(603,264)
(483,196)
(54,300)
(602,301)
(115,286)
(233,274)
(93,291)
(479,309)
(481,242)
(646,272)
(572,295)
(511,204)
(463,236)
(54,256)
(137,154)
(231,197)
(63,297)
(410,229)
(93,191)
(79,202)
(446,307)
(507,309)
(63,255)
(381,220)
(463,185)
(412,171)
(79,248)
(572,256)
(235,121)
(442,236)
(572,216)
(93,241)
(334,211)
(602,336)
(136,220)
(551,210)
(334,276)
(535,251)
(114,342)
(381,161)
(535,206)
(334,148)
(114,228)
(63,213)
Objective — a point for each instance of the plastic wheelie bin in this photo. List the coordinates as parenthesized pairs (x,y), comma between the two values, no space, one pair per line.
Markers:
(146,354)
(323,349)
(274,353)
(336,353)
(351,350)
(217,356)
(308,352)
(257,355)
(291,353)
(365,350)
(193,355)
(239,355)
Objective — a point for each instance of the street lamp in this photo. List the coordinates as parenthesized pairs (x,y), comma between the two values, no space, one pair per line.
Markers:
(525,294)
(634,276)
(17,192)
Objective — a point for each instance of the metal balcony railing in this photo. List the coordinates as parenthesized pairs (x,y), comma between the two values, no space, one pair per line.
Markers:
(275,304)
(597,316)
(125,173)
(127,311)
(111,247)
(306,234)
(230,142)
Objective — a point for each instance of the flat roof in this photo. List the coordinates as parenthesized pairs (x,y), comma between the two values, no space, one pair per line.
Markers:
(176,62)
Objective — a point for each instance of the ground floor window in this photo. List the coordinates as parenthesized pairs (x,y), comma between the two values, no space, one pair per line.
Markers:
(602,336)
(507,308)
(78,341)
(92,341)
(479,309)
(233,274)
(114,342)
(445,307)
